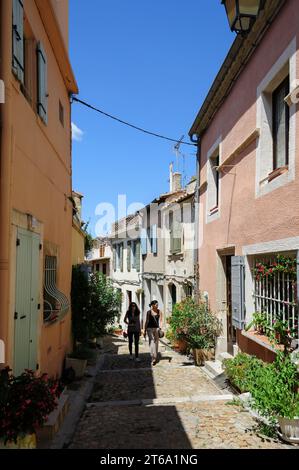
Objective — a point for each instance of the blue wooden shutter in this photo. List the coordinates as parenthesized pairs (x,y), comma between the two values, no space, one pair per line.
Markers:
(238,291)
(143,241)
(154,239)
(18,39)
(42,101)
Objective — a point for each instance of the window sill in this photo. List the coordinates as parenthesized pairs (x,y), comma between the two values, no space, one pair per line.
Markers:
(277,172)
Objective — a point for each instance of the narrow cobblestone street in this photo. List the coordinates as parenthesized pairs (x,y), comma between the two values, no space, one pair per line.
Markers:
(173,405)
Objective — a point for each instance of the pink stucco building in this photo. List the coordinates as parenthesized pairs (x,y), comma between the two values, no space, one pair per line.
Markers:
(248,165)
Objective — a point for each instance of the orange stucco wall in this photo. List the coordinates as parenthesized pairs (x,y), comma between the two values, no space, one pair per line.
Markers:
(245,219)
(40,184)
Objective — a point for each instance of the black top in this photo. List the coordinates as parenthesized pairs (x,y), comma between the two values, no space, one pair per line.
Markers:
(134,322)
(153,320)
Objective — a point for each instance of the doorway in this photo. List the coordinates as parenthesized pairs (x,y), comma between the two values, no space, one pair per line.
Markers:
(26,301)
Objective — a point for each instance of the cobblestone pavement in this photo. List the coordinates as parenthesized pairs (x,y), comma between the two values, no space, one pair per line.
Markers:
(172,405)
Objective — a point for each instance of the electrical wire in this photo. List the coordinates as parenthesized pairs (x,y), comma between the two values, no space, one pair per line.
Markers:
(128,124)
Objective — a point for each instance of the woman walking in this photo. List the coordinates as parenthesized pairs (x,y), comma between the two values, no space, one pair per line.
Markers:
(152,324)
(132,319)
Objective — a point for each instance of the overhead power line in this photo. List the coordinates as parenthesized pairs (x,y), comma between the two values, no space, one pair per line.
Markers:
(128,124)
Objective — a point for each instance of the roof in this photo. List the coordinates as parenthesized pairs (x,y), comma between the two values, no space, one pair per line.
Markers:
(235,61)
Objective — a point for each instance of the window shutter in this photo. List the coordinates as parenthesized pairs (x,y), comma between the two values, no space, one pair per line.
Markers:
(137,256)
(177,235)
(154,239)
(121,257)
(114,258)
(42,100)
(18,39)
(129,256)
(143,241)
(238,291)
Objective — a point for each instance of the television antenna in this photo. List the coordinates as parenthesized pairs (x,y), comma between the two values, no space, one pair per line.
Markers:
(178,153)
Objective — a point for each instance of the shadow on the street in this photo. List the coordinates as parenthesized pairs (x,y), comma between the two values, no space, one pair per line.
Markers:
(131,425)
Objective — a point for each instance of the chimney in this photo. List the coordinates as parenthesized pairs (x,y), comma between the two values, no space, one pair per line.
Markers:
(176,181)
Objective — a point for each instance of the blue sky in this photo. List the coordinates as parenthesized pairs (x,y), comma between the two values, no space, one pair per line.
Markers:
(149,62)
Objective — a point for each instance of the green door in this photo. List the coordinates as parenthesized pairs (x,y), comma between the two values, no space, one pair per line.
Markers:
(26,305)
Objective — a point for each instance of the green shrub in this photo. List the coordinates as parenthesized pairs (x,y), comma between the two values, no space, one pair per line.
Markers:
(273,387)
(242,371)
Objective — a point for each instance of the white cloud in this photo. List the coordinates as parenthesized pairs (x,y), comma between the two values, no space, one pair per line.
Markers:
(77,134)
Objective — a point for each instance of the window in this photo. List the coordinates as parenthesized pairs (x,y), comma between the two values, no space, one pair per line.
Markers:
(105,269)
(281,117)
(102,251)
(97,267)
(56,303)
(275,294)
(133,254)
(29,86)
(175,231)
(61,113)
(214,184)
(213,192)
(276,122)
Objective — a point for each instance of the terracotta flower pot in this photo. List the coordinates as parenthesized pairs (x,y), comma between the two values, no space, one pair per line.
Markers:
(180,345)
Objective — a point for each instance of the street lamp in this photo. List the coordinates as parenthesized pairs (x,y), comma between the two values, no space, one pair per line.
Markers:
(242,13)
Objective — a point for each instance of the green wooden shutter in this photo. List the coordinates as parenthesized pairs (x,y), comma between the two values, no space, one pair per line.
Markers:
(34,301)
(18,39)
(26,304)
(42,101)
(137,256)
(121,250)
(177,234)
(129,256)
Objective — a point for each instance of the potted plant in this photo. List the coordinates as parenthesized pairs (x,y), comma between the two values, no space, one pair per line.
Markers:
(202,333)
(274,390)
(25,403)
(259,322)
(79,358)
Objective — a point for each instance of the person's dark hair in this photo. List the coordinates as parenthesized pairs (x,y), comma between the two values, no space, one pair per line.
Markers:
(137,311)
(154,302)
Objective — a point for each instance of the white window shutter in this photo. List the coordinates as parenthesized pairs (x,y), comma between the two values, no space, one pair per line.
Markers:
(143,241)
(238,291)
(18,39)
(137,262)
(42,102)
(154,239)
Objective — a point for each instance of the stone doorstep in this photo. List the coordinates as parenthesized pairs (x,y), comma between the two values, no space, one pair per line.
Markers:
(214,367)
(55,419)
(161,401)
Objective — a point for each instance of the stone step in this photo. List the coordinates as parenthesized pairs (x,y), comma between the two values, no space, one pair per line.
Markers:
(225,355)
(55,420)
(214,367)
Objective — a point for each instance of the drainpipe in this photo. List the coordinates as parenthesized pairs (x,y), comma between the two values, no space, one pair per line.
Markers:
(196,221)
(5,166)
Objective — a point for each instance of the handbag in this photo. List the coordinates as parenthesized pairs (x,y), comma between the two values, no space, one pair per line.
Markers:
(160,332)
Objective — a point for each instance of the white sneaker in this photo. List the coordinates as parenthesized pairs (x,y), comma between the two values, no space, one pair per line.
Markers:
(137,359)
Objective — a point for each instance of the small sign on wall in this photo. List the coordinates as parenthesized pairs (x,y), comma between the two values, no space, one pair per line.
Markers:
(2,352)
